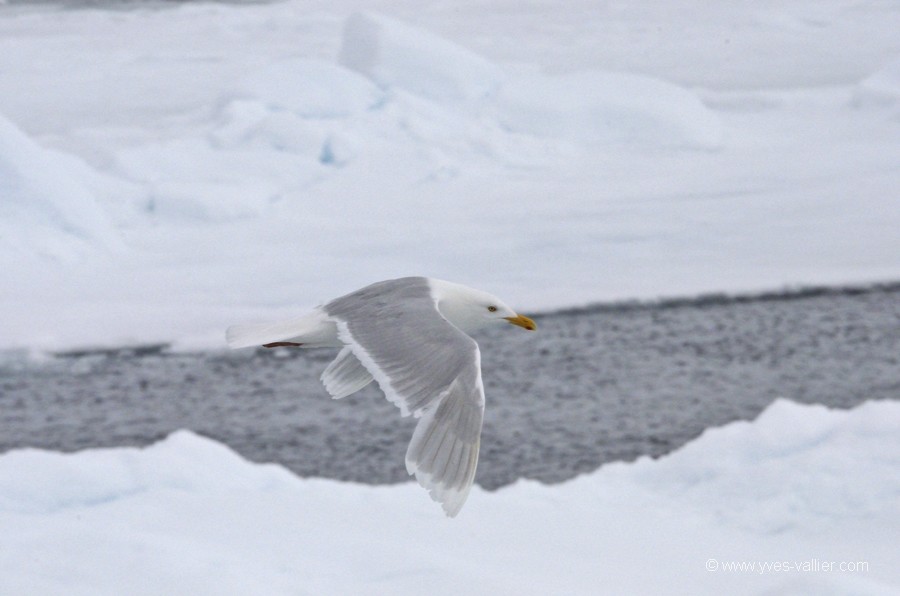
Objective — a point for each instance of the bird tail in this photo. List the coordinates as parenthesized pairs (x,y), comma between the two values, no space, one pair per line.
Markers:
(309,330)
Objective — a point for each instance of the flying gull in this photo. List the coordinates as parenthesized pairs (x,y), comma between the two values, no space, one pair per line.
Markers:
(410,336)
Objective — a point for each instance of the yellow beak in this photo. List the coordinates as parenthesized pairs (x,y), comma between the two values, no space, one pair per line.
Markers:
(522,321)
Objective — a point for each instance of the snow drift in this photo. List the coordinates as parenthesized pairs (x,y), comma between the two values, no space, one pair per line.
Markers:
(881,88)
(47,204)
(394,54)
(588,106)
(798,483)
(612,108)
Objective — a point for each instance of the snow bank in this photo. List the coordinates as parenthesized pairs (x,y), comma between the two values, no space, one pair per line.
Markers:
(797,484)
(310,89)
(881,87)
(269,136)
(297,106)
(394,54)
(194,180)
(799,465)
(47,206)
(601,107)
(583,106)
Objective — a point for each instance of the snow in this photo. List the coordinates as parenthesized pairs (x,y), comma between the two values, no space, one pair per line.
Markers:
(48,207)
(610,108)
(254,160)
(166,171)
(801,483)
(395,55)
(882,87)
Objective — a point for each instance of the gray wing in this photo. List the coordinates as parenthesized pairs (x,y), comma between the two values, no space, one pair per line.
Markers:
(427,368)
(345,375)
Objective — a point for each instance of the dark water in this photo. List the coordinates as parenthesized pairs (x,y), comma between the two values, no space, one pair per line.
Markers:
(591,386)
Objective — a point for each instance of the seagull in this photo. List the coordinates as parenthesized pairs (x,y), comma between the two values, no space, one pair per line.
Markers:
(409,335)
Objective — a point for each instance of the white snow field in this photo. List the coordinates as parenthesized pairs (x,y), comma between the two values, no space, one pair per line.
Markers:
(168,170)
(804,497)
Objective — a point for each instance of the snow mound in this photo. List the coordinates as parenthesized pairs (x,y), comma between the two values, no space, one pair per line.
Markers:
(606,107)
(183,461)
(595,107)
(394,54)
(310,89)
(189,514)
(239,171)
(47,206)
(881,88)
(799,465)
(298,106)
(271,134)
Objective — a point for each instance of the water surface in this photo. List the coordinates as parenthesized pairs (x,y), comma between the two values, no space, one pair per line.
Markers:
(601,384)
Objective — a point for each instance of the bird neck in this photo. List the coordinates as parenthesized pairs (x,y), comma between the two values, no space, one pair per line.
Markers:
(455,302)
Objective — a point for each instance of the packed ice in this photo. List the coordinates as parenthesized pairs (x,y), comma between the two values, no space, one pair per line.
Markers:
(803,500)
(253,160)
(168,170)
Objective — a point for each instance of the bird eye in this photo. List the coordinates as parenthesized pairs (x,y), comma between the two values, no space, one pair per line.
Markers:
(492,308)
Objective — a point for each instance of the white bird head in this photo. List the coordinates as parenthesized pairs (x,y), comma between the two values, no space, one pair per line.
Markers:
(470,309)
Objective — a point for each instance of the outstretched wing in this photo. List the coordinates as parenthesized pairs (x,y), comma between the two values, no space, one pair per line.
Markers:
(345,375)
(426,367)
(443,453)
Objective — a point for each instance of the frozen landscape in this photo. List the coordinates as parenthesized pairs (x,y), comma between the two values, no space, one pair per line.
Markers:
(215,163)
(800,486)
(168,170)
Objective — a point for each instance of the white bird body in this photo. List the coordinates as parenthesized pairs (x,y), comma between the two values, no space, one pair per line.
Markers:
(409,335)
